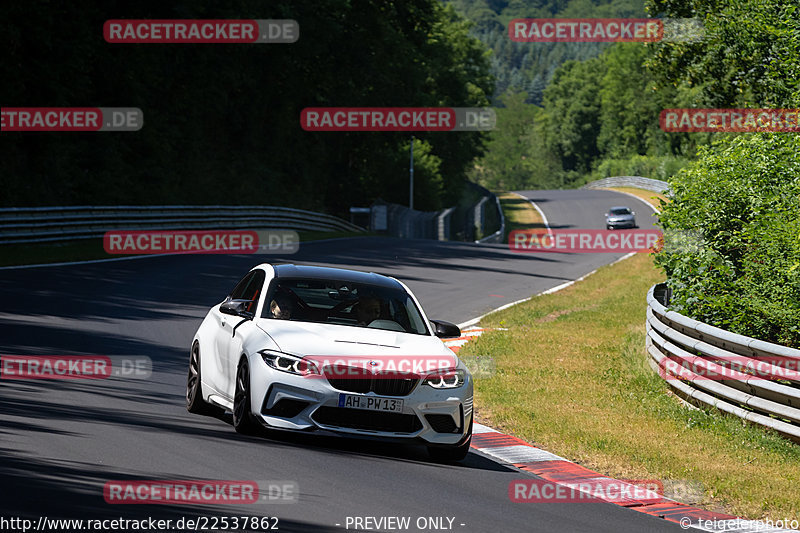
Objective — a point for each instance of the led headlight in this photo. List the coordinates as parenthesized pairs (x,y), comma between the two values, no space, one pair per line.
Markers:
(289,363)
(448,379)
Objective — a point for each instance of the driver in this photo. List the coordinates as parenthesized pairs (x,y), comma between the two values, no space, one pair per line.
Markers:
(281,307)
(368,309)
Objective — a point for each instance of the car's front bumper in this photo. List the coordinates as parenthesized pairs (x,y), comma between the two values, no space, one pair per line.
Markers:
(290,402)
(621,224)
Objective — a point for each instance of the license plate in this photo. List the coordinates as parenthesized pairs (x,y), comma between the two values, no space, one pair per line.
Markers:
(371,403)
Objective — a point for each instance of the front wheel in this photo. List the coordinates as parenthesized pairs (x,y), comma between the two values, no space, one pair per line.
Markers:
(453,453)
(243,421)
(194,391)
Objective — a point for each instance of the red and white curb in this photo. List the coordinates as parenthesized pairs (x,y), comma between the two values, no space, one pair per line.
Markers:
(456,343)
(555,469)
(515,452)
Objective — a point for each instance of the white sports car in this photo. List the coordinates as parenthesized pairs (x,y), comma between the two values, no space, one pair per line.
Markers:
(307,348)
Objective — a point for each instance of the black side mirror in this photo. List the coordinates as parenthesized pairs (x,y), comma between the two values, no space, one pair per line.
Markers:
(237,308)
(444,329)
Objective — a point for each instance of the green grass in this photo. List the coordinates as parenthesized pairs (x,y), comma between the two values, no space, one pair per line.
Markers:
(519,213)
(650,197)
(572,378)
(88,249)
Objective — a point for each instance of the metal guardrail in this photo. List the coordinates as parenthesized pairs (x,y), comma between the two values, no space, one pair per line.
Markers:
(52,224)
(771,400)
(497,236)
(629,181)
(460,223)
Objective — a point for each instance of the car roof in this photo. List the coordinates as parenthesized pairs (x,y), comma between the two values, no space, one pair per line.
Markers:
(621,207)
(339,274)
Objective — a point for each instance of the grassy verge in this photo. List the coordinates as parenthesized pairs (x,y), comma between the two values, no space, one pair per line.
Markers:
(519,213)
(89,249)
(650,197)
(572,378)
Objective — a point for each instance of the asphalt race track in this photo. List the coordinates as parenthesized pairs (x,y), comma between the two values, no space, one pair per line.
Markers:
(60,441)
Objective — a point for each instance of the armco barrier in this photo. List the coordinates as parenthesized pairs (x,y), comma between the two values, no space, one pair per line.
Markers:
(52,224)
(772,401)
(461,223)
(497,236)
(629,181)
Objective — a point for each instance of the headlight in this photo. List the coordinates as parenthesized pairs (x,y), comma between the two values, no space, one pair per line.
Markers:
(289,363)
(447,379)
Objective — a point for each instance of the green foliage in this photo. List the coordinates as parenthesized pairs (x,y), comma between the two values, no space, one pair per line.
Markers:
(599,118)
(655,167)
(742,198)
(572,118)
(750,55)
(528,67)
(221,122)
(515,150)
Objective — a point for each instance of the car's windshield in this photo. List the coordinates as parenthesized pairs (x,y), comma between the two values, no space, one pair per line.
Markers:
(620,211)
(344,303)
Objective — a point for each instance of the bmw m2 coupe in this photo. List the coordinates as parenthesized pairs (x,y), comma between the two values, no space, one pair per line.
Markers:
(305,348)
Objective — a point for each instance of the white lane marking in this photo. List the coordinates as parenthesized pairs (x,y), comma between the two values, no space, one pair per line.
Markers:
(541,213)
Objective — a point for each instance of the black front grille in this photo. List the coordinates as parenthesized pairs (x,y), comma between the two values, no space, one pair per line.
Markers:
(370,420)
(286,408)
(359,380)
(442,423)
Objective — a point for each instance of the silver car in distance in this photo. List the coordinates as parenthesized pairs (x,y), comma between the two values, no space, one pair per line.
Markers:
(620,217)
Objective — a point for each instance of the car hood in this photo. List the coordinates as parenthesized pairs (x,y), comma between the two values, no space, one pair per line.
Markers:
(620,217)
(308,338)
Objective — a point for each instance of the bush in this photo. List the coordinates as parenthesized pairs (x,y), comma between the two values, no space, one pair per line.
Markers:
(742,200)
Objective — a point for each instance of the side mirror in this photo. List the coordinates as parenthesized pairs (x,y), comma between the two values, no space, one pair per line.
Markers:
(444,329)
(237,308)
(633,212)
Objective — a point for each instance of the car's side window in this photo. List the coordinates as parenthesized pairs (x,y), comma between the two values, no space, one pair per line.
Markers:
(249,287)
(238,291)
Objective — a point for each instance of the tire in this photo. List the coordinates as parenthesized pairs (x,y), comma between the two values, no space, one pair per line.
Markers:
(194,394)
(608,227)
(451,454)
(243,421)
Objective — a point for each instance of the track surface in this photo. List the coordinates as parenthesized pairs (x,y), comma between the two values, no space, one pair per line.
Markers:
(61,441)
